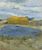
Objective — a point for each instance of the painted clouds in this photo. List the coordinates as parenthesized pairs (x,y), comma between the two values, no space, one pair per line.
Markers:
(31,8)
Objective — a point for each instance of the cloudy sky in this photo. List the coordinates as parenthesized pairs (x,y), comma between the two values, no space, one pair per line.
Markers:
(31,8)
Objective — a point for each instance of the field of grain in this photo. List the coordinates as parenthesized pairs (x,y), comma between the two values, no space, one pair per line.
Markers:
(23,43)
(20,43)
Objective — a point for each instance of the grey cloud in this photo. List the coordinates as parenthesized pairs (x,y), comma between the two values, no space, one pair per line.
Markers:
(17,1)
(26,3)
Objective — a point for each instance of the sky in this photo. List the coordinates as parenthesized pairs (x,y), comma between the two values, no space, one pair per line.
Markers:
(30,8)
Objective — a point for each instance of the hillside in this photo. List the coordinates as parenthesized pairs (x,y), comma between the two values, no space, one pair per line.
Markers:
(18,20)
(36,23)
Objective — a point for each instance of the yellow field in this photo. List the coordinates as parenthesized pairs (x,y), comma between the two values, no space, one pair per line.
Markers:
(21,43)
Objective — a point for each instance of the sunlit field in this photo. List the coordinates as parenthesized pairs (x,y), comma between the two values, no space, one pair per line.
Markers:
(21,43)
(20,36)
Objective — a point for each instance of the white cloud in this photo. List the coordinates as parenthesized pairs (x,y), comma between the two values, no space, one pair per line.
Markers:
(7,13)
(22,6)
(9,5)
(39,9)
(22,2)
(33,3)
(19,6)
(35,9)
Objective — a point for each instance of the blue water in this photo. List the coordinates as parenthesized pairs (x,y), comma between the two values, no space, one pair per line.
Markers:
(12,30)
